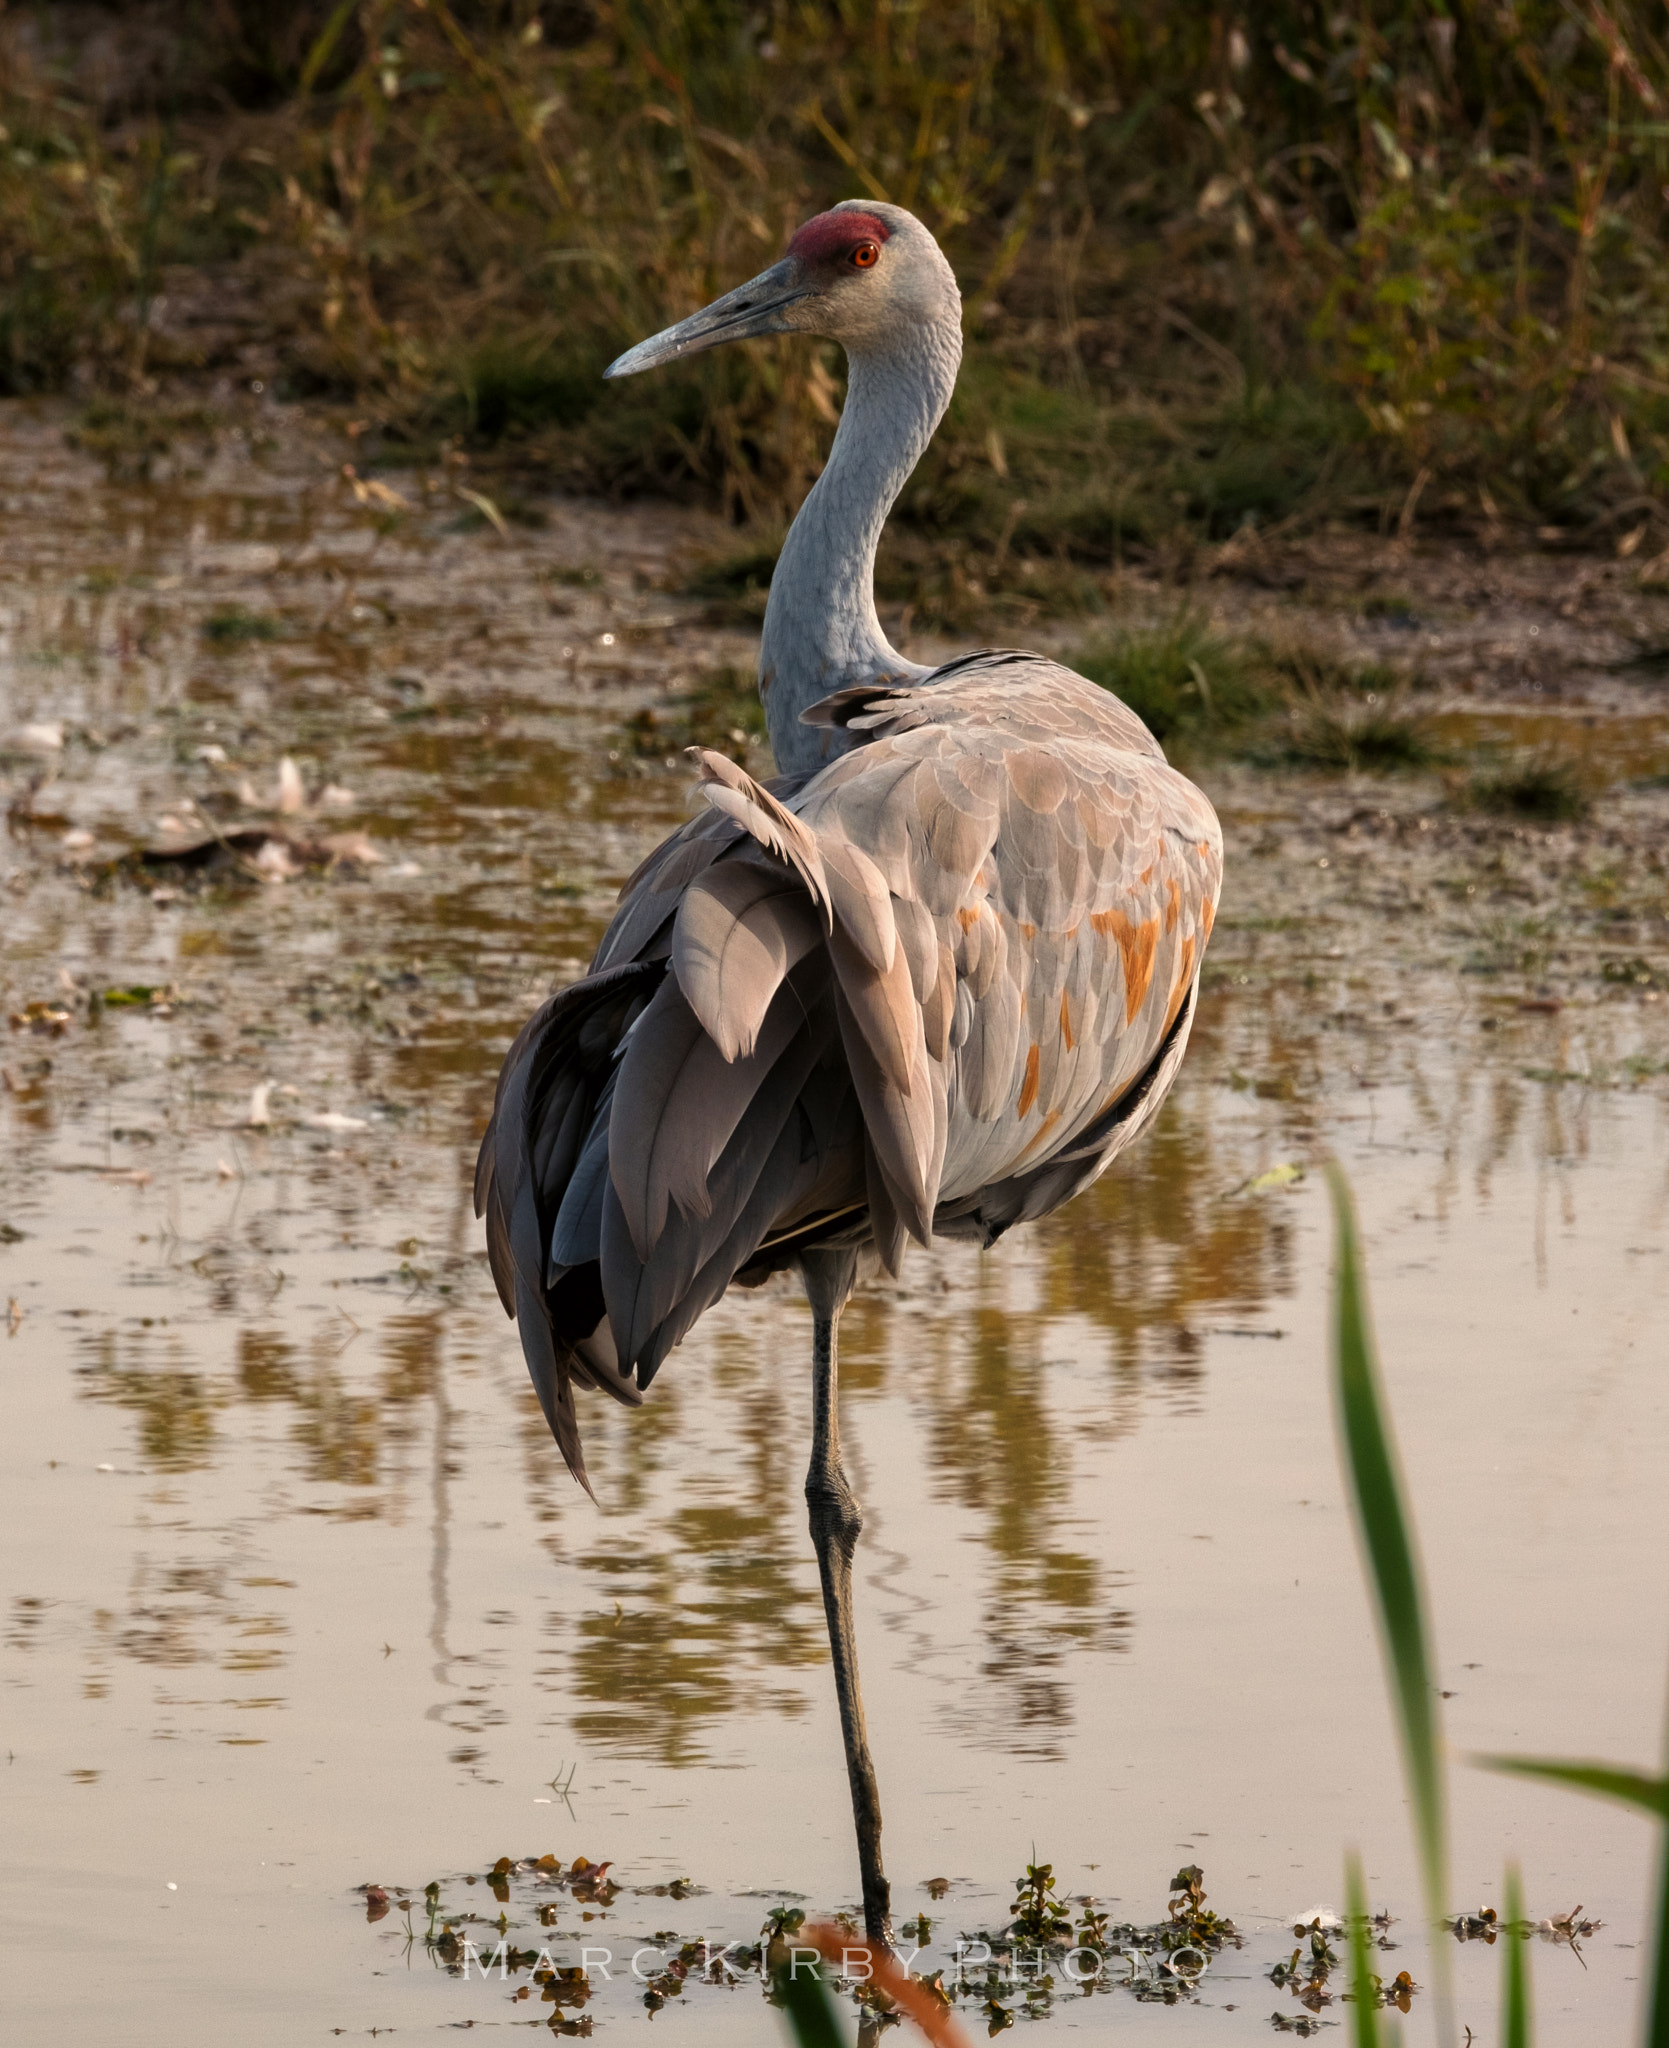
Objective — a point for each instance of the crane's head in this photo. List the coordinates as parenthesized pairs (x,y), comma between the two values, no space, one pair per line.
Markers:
(864,274)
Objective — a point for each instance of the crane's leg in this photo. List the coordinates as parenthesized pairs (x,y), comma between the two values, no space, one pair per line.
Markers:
(835,1521)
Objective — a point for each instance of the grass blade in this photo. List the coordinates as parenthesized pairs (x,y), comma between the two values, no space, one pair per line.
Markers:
(809,2005)
(1393,1571)
(1605,1781)
(1657,2024)
(1364,2025)
(1515,1966)
(1645,1794)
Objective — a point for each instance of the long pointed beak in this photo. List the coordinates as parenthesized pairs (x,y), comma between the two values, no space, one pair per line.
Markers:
(754,308)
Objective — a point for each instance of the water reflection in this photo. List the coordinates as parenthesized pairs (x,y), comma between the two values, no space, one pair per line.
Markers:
(333,1349)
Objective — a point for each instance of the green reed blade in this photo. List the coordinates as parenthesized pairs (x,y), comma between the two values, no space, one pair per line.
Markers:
(809,2005)
(1393,1570)
(1515,1966)
(328,37)
(1364,2025)
(1645,1794)
(1606,1781)
(1657,2023)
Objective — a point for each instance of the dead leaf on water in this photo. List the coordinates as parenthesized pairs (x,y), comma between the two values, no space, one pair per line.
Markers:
(368,490)
(351,846)
(45,1020)
(275,862)
(45,737)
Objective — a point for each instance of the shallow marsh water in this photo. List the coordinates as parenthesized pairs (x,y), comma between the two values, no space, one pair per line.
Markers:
(297,1593)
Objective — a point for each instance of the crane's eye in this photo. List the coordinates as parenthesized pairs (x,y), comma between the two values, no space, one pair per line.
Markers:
(865,256)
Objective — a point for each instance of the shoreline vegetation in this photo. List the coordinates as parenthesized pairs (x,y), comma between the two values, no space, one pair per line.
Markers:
(1229,277)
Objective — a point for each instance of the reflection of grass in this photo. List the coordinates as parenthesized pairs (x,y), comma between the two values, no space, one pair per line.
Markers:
(1542,787)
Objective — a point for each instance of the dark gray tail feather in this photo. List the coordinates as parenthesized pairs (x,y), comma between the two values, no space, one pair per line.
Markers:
(549,1367)
(592,1307)
(552,1078)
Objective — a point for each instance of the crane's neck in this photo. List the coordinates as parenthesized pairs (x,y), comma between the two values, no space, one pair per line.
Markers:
(821,632)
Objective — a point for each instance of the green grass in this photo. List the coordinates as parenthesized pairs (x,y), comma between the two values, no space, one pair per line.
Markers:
(808,2007)
(1385,1530)
(1208,295)
(1544,790)
(130,439)
(1280,704)
(1184,680)
(1394,1578)
(1365,2031)
(736,582)
(1516,2024)
(1380,739)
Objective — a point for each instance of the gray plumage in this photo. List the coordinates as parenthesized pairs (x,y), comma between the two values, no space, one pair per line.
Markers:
(1005,843)
(928,983)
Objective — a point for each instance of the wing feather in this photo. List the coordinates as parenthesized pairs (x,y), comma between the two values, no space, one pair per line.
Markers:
(739,930)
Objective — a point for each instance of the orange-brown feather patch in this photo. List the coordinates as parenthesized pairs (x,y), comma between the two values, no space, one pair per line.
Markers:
(1066,1021)
(1028,1087)
(1137,944)
(1174,904)
(967,919)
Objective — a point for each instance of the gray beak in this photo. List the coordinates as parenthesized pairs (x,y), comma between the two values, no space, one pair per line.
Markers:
(755,308)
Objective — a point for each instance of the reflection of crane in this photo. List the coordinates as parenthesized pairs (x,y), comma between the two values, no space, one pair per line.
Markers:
(927,984)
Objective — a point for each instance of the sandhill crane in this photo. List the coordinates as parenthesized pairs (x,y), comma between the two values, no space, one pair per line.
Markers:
(926,984)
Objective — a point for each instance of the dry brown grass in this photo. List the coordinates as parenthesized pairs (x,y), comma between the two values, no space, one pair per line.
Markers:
(1382,267)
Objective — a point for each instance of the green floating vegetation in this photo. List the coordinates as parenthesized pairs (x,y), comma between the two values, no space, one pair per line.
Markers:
(233,626)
